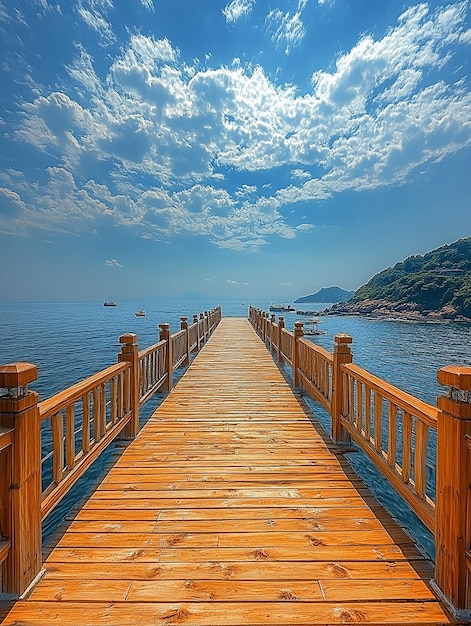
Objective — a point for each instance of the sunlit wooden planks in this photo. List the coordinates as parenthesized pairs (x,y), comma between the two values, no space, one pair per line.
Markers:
(230,508)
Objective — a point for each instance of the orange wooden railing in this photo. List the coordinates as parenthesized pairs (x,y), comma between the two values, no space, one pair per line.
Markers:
(394,429)
(45,447)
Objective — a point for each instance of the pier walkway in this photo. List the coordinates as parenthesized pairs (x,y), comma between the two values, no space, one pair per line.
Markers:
(231,507)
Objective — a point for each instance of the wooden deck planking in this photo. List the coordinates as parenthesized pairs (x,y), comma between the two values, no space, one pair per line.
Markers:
(230,508)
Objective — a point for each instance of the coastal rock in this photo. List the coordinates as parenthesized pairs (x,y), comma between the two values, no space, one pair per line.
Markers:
(385,309)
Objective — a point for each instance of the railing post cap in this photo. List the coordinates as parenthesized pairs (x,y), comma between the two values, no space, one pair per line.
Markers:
(456,376)
(17,374)
(164,326)
(343,338)
(128,338)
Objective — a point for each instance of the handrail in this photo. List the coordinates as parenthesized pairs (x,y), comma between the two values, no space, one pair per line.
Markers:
(394,429)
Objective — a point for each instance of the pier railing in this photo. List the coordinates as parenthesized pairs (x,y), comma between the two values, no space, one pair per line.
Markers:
(45,447)
(394,430)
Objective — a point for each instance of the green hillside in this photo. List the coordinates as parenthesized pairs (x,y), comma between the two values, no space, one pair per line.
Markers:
(441,278)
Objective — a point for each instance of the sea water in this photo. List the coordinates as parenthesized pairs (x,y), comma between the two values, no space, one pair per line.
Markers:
(70,341)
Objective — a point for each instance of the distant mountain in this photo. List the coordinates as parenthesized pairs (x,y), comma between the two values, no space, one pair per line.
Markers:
(327,294)
(436,284)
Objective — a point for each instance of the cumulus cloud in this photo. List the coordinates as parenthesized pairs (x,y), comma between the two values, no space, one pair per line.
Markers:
(148,143)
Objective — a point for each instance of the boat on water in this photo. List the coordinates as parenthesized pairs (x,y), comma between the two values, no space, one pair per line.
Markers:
(109,303)
(305,312)
(310,327)
(281,308)
(140,313)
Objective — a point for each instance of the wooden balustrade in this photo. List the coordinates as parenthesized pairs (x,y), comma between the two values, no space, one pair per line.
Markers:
(152,370)
(77,424)
(315,372)
(45,447)
(179,349)
(286,346)
(394,429)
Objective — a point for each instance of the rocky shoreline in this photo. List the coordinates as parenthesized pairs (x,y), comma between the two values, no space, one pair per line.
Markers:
(391,310)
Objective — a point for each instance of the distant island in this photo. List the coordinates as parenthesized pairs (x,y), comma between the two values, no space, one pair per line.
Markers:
(327,295)
(433,287)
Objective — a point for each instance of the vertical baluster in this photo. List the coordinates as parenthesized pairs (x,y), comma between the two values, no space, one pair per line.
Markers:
(118,381)
(114,400)
(351,399)
(57,425)
(86,423)
(103,408)
(359,409)
(378,417)
(70,436)
(367,413)
(406,446)
(96,417)
(421,438)
(392,434)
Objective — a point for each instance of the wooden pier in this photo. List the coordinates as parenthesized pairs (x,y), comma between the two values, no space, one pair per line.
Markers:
(231,506)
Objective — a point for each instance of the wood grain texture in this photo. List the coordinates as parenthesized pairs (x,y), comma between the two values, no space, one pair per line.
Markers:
(231,508)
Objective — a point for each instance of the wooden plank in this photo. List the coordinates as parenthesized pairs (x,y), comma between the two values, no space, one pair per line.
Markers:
(230,613)
(230,508)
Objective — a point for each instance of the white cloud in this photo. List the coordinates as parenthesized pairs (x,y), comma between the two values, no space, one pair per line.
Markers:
(112,263)
(383,111)
(237,9)
(301,174)
(148,4)
(286,29)
(93,13)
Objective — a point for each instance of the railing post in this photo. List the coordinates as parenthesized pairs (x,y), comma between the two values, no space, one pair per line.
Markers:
(298,333)
(19,411)
(165,336)
(130,353)
(453,502)
(184,326)
(342,354)
(281,325)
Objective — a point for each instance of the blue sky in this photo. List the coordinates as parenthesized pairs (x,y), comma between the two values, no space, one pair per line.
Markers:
(233,149)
